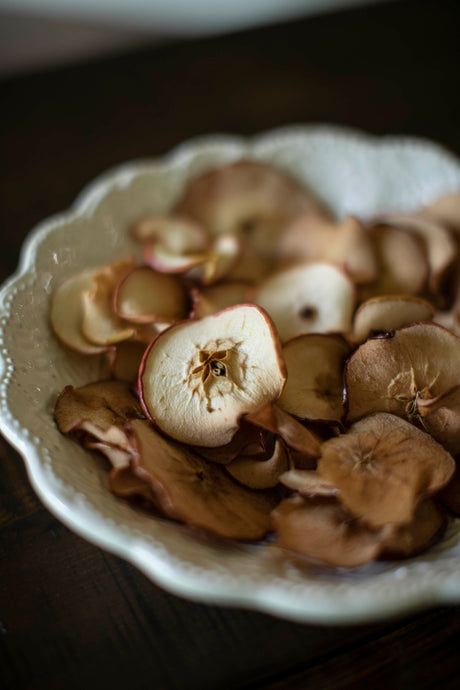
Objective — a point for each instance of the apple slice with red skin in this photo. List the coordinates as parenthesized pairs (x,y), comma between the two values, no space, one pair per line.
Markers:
(199,377)
(213,298)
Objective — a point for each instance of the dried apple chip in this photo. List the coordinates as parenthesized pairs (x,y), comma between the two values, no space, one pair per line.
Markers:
(257,473)
(440,245)
(320,529)
(402,263)
(199,493)
(345,243)
(248,198)
(199,377)
(208,300)
(145,296)
(386,313)
(100,324)
(309,298)
(100,409)
(394,374)
(382,468)
(273,418)
(314,387)
(67,313)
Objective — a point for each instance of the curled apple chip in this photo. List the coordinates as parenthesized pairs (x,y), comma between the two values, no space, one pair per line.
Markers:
(260,473)
(210,299)
(322,530)
(99,409)
(179,235)
(401,260)
(345,243)
(247,198)
(67,313)
(394,374)
(440,245)
(314,387)
(100,324)
(145,296)
(308,483)
(198,378)
(386,313)
(273,418)
(382,467)
(199,493)
(309,298)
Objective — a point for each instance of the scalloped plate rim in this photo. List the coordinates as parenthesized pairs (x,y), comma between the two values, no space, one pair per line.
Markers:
(153,566)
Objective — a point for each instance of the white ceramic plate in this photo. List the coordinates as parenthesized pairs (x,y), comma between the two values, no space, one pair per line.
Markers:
(353,173)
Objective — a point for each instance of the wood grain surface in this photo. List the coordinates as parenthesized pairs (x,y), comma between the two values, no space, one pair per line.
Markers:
(71,615)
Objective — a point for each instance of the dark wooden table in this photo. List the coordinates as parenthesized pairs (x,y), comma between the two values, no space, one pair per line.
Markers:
(71,615)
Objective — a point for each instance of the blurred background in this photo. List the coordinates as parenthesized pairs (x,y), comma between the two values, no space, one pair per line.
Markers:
(36,34)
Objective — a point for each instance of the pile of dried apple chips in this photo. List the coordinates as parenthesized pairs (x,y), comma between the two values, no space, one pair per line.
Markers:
(276,372)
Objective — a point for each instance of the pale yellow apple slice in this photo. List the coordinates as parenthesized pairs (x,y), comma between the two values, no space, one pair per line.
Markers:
(199,377)
(100,324)
(209,299)
(145,296)
(67,313)
(314,387)
(247,197)
(310,298)
(178,235)
(386,313)
(345,243)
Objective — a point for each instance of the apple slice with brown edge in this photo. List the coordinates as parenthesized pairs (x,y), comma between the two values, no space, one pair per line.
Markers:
(383,466)
(310,298)
(396,372)
(345,243)
(260,473)
(440,245)
(198,378)
(402,263)
(98,409)
(192,490)
(146,296)
(314,387)
(385,313)
(249,198)
(210,299)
